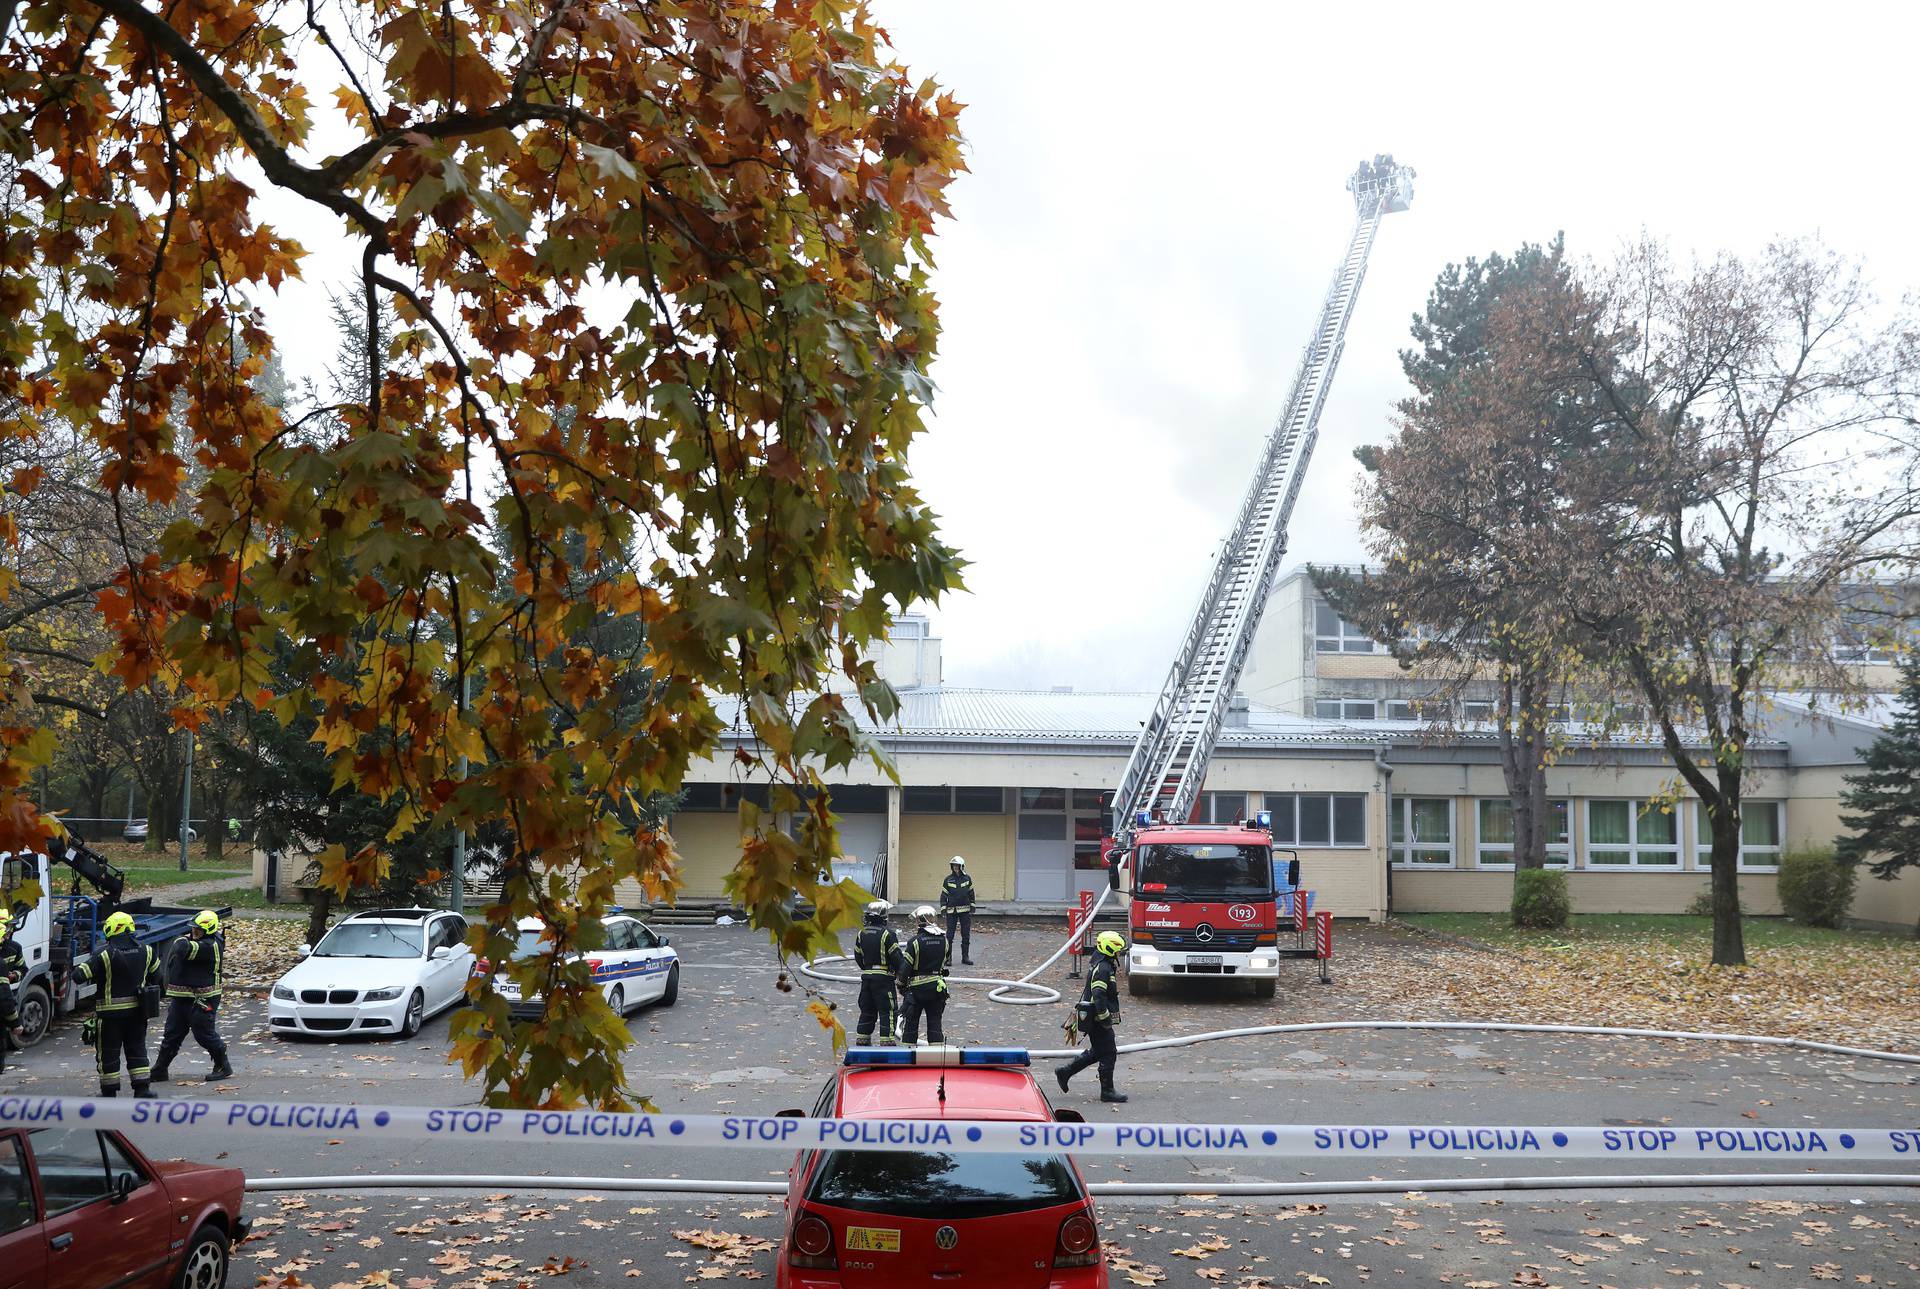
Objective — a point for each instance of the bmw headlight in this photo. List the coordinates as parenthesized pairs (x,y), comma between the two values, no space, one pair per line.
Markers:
(383,995)
(283,993)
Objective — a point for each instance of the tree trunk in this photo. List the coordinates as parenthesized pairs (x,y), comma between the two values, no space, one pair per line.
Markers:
(1729,943)
(319,905)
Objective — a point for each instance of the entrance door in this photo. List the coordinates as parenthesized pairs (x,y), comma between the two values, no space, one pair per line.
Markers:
(1043,858)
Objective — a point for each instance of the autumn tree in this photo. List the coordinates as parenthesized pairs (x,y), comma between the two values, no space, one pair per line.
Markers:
(1755,393)
(1464,505)
(700,228)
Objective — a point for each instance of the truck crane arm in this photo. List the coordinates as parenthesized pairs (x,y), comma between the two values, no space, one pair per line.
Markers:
(93,867)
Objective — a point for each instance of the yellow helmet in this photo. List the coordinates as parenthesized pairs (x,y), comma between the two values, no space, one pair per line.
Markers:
(207,920)
(1110,943)
(6,915)
(118,924)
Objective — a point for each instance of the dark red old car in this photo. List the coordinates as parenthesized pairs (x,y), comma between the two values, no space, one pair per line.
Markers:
(82,1208)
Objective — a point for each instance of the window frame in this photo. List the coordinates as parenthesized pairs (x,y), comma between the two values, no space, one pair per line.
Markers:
(29,1193)
(47,1211)
(1402,812)
(1637,809)
(1269,801)
(1703,838)
(1372,712)
(1346,634)
(1563,849)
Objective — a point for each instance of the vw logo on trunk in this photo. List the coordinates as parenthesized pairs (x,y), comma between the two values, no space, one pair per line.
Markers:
(946,1237)
(1203,933)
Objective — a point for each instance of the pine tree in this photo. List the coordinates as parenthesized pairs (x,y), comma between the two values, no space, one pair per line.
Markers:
(1884,798)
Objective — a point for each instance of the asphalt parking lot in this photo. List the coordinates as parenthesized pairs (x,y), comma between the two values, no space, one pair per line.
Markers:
(735,1043)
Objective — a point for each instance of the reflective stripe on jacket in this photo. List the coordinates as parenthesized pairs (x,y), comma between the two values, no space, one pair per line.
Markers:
(876,951)
(956,895)
(120,971)
(925,960)
(1102,993)
(193,968)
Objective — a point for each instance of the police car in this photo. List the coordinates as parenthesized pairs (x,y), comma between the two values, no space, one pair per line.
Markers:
(868,1219)
(635,965)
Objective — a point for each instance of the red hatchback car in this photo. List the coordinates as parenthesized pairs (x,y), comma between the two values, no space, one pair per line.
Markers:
(82,1208)
(878,1219)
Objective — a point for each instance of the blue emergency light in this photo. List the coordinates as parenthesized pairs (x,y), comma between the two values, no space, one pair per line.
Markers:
(937,1056)
(1143,819)
(1264,821)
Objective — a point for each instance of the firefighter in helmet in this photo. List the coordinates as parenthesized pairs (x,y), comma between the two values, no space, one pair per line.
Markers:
(876,951)
(1098,1012)
(923,972)
(121,971)
(956,901)
(193,996)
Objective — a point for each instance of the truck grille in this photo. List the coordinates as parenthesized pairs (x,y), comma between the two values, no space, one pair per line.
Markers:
(1189,942)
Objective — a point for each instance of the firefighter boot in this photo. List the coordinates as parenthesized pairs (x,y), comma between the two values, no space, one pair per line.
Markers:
(143,1091)
(1071,1068)
(1108,1094)
(159,1074)
(110,1092)
(221,1070)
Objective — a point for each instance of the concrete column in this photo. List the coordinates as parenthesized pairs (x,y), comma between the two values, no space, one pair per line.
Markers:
(893,842)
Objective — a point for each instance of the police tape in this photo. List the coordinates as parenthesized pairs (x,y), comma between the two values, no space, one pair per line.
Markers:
(712,1131)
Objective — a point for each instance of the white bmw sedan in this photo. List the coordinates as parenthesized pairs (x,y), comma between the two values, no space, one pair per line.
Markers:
(384,971)
(636,965)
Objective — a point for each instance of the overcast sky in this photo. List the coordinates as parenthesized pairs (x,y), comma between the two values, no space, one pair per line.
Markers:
(1155,208)
(1156,205)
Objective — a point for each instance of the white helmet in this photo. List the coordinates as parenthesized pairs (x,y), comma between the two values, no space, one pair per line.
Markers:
(934,928)
(925,913)
(958,861)
(879,906)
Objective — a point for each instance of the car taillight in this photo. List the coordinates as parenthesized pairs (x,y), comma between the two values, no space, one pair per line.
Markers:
(481,966)
(1079,1243)
(810,1243)
(594,964)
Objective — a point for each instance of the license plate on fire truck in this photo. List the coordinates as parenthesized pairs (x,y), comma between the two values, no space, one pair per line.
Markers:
(1203,959)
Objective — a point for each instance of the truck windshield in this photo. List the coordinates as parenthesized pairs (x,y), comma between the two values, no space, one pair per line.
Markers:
(939,1185)
(1214,871)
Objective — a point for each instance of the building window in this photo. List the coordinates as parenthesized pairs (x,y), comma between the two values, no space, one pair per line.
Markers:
(723,796)
(1043,798)
(1347,709)
(926,801)
(1494,848)
(1334,634)
(1421,831)
(979,801)
(1401,709)
(1476,710)
(1631,834)
(1759,836)
(1318,819)
(1221,808)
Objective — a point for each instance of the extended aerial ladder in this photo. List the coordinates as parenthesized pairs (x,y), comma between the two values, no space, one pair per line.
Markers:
(1169,762)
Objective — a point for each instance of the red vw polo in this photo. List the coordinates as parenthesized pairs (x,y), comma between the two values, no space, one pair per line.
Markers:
(876,1219)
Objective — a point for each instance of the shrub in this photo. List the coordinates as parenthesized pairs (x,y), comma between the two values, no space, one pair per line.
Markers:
(1540,899)
(1815,887)
(1702,905)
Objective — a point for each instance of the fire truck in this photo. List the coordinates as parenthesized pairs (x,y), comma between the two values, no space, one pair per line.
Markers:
(1207,900)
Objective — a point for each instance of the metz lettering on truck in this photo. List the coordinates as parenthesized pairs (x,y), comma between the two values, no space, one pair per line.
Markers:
(328,1117)
(1766,1141)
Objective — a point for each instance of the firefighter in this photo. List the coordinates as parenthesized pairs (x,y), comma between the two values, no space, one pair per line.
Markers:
(1099,1012)
(193,996)
(956,901)
(876,951)
(13,966)
(923,972)
(120,972)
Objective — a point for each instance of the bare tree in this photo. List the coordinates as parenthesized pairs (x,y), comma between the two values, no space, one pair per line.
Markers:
(1758,395)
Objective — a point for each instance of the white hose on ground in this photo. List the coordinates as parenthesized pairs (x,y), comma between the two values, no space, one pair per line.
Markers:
(1312,1027)
(1369,1186)
(999,993)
